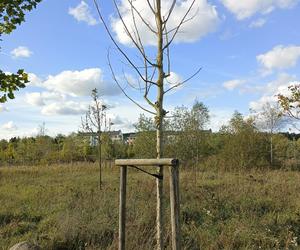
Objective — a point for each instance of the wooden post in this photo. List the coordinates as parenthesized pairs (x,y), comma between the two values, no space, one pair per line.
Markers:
(159,209)
(175,207)
(122,207)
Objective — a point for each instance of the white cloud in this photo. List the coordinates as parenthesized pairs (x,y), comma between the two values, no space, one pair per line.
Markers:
(124,114)
(62,89)
(220,116)
(246,8)
(21,51)
(40,98)
(82,13)
(258,23)
(233,84)
(116,119)
(205,20)
(272,89)
(34,80)
(53,96)
(279,57)
(269,87)
(283,80)
(258,105)
(34,99)
(75,83)
(2,108)
(9,126)
(173,79)
(65,108)
(80,83)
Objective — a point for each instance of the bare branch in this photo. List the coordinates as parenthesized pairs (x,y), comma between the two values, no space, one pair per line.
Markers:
(141,17)
(90,118)
(183,82)
(85,125)
(150,6)
(168,52)
(123,90)
(185,21)
(130,84)
(138,46)
(169,13)
(147,89)
(115,43)
(153,74)
(146,61)
(149,102)
(179,25)
(145,78)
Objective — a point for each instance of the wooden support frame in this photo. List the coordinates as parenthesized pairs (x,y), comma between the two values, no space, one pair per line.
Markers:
(173,165)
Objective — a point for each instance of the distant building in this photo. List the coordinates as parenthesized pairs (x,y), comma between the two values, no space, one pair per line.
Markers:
(115,135)
(93,141)
(92,137)
(129,138)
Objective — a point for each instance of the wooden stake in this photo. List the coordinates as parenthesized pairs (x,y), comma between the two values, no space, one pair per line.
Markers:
(175,207)
(159,209)
(122,207)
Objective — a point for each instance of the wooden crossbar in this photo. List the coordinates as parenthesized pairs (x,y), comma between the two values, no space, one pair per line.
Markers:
(147,162)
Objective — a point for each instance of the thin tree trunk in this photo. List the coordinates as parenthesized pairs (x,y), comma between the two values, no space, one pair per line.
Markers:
(294,146)
(100,160)
(159,193)
(159,124)
(271,152)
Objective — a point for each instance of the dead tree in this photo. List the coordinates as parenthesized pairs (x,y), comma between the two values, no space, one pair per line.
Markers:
(94,123)
(152,69)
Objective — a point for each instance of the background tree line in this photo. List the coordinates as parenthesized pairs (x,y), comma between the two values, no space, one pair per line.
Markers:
(243,143)
(45,150)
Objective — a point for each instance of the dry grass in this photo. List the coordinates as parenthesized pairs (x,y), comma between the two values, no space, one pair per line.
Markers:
(60,207)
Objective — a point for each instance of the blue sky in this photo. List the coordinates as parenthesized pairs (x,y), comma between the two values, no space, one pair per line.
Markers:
(248,50)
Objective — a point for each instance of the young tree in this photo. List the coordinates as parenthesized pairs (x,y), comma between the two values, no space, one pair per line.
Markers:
(195,119)
(244,146)
(95,123)
(42,129)
(270,119)
(144,144)
(71,149)
(152,68)
(12,13)
(188,124)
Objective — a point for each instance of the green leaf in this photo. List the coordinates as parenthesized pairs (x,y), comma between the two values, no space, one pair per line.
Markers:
(11,95)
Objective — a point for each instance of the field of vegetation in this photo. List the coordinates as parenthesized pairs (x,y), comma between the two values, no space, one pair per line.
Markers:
(61,207)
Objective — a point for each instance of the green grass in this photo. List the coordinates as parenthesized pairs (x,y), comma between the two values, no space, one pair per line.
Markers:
(61,207)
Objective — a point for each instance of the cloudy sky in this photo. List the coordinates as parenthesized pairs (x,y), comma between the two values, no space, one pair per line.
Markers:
(248,50)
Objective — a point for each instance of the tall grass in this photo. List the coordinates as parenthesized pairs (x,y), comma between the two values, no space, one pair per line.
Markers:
(61,207)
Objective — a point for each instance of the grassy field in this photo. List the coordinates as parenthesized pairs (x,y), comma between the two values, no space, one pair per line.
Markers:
(61,207)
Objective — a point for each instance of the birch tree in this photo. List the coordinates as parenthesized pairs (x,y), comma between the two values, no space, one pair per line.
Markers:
(270,119)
